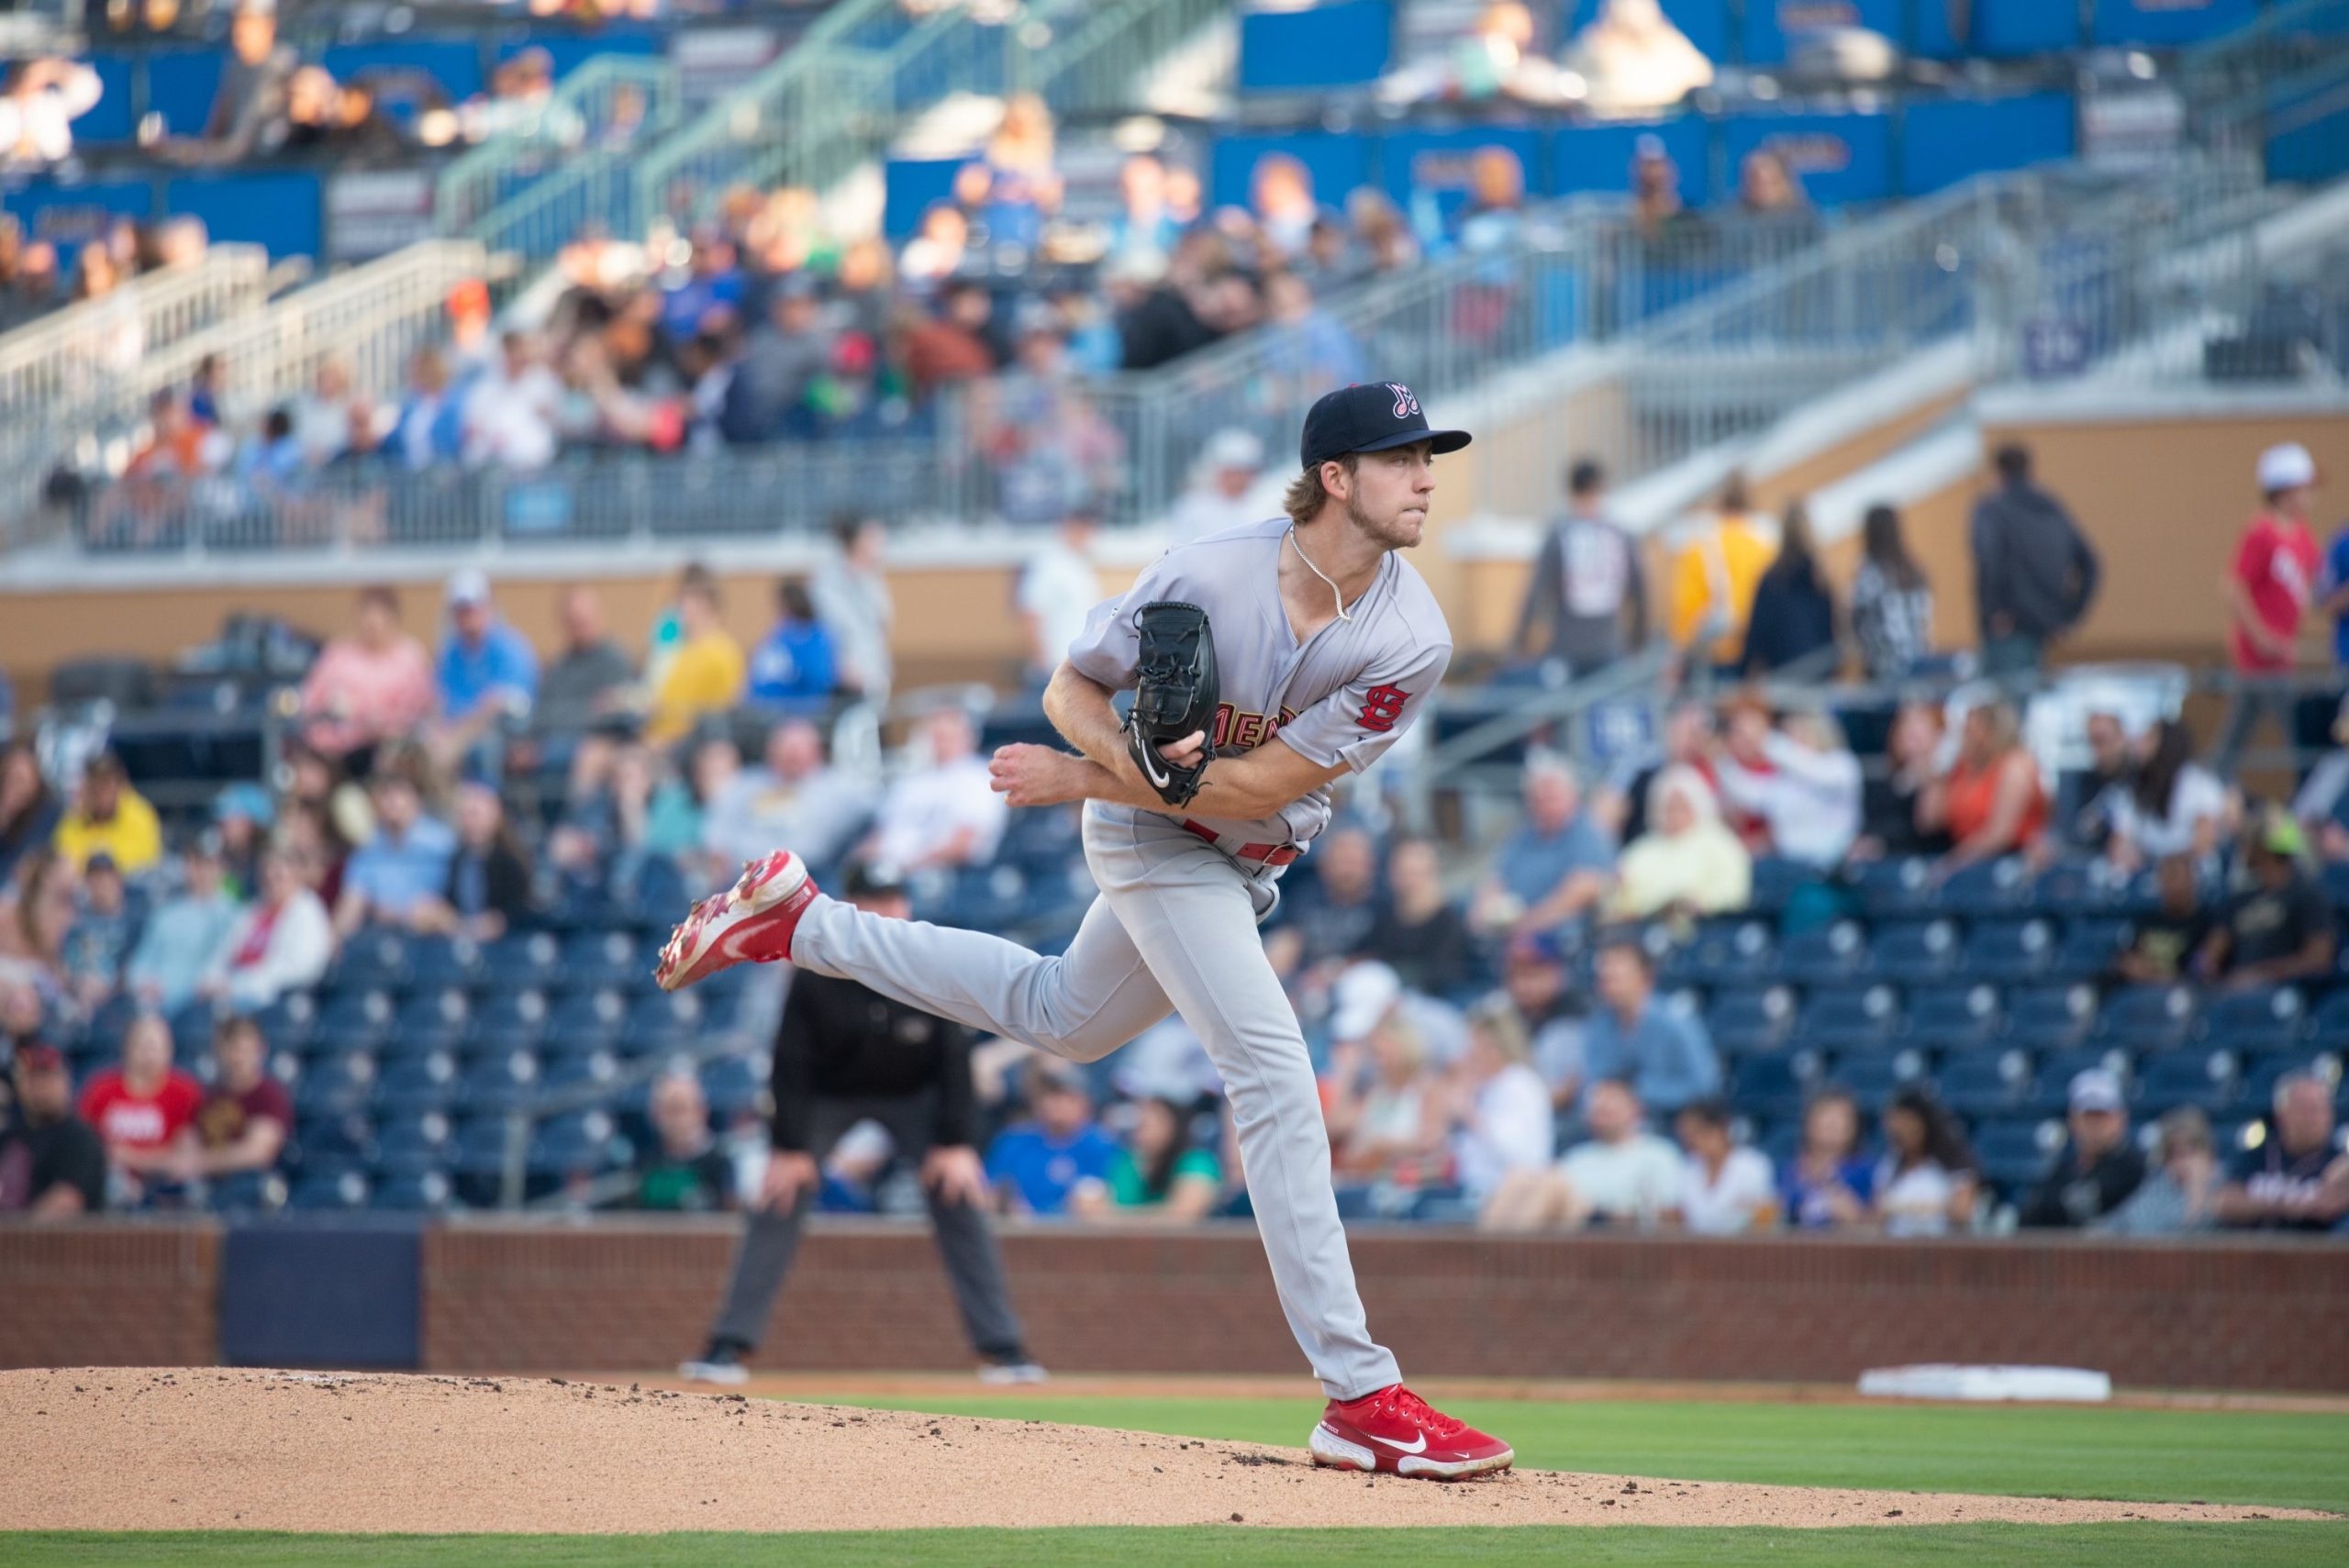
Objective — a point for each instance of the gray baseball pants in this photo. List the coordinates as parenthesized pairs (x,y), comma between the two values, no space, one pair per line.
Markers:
(1174,928)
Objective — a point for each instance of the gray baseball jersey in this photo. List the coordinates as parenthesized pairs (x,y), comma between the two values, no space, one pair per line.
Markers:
(1344,695)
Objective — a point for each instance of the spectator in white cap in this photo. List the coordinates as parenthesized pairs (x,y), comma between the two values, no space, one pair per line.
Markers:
(2099,1166)
(2269,590)
(1228,488)
(488,671)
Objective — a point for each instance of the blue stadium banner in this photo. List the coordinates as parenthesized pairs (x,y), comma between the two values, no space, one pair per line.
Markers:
(1838,157)
(69,216)
(1773,28)
(2008,29)
(410,76)
(111,119)
(1945,140)
(1326,46)
(1337,164)
(373,212)
(910,187)
(1439,164)
(2168,24)
(1598,157)
(180,86)
(282,211)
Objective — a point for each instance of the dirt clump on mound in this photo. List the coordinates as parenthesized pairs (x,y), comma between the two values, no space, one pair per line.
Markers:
(210,1449)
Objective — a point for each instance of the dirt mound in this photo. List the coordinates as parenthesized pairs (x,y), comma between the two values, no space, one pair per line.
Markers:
(138,1449)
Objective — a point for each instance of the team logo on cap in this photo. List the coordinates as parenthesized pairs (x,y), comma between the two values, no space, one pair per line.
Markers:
(1404,403)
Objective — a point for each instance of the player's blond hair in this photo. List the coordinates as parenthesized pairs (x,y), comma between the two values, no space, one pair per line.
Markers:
(1305,494)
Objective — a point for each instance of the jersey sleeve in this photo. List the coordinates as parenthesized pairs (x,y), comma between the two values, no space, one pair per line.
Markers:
(1355,724)
(1105,652)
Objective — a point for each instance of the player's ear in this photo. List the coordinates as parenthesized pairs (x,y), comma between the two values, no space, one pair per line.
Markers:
(1338,479)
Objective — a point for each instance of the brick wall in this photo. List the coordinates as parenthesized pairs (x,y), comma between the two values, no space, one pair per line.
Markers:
(109,1296)
(2220,1315)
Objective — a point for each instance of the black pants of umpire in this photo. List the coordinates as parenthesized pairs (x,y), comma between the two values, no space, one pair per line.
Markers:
(966,1240)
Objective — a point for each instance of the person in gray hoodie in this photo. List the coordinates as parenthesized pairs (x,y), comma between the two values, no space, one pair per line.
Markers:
(2035,573)
(1589,595)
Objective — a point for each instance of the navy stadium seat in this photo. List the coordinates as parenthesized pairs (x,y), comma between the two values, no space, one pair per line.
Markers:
(409,1146)
(1986,1082)
(2206,1080)
(1850,1021)
(1747,1023)
(1947,1016)
(1829,956)
(353,1020)
(443,964)
(430,1020)
(287,1023)
(2080,887)
(1987,888)
(1897,887)
(1775,883)
(192,1029)
(658,898)
(579,1069)
(2053,1082)
(586,1021)
(2254,1021)
(1873,1077)
(337,1085)
(508,1021)
(2259,1076)
(1777,1087)
(111,1022)
(480,1147)
(663,1021)
(2015,1154)
(733,1085)
(2145,1018)
(595,960)
(325,1191)
(2049,1018)
(424,1192)
(2089,946)
(522,961)
(2329,1023)
(2336,885)
(1722,953)
(1915,953)
(583,1143)
(415,1085)
(500,1081)
(372,960)
(2010,951)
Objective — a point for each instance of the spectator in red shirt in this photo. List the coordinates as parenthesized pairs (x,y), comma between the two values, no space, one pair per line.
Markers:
(247,1114)
(2274,578)
(141,1107)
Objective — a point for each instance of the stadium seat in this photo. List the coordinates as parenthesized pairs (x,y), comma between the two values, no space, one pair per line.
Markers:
(598,960)
(337,1085)
(1837,1021)
(430,1020)
(480,1147)
(584,1143)
(2049,1018)
(2336,885)
(522,961)
(733,1085)
(2269,1019)
(587,1021)
(1897,888)
(353,1020)
(287,1023)
(2259,1076)
(1721,952)
(1992,1081)
(415,1084)
(2145,1018)
(1775,882)
(1915,954)
(1830,956)
(1777,1087)
(2014,1154)
(2053,1082)
(579,1069)
(1986,889)
(2090,945)
(110,1023)
(663,1021)
(2329,1023)
(373,959)
(409,1146)
(445,963)
(2081,888)
(192,1029)
(1749,1023)
(325,1191)
(1873,1077)
(2206,1080)
(658,897)
(2010,951)
(425,1192)
(1952,1016)
(508,1021)
(500,1081)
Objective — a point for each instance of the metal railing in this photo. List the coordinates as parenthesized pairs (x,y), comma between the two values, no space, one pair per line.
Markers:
(610,105)
(369,319)
(2276,88)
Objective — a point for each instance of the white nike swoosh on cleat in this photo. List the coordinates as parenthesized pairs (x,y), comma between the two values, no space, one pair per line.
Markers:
(1418,1447)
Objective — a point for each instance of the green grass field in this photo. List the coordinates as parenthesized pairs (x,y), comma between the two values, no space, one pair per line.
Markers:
(2282,1460)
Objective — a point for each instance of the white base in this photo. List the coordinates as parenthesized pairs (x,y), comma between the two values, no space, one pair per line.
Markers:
(1946,1381)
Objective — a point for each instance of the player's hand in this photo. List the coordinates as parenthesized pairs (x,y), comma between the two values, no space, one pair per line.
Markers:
(1036,775)
(954,1174)
(790,1176)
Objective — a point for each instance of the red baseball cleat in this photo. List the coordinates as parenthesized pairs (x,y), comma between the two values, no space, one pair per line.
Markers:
(1394,1430)
(751,922)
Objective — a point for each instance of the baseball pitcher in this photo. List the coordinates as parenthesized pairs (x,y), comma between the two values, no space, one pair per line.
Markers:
(1266,661)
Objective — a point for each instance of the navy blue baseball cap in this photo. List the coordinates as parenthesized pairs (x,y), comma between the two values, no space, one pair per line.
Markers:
(1369,418)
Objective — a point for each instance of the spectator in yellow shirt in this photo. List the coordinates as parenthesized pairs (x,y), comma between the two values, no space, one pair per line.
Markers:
(705,675)
(110,816)
(1714,574)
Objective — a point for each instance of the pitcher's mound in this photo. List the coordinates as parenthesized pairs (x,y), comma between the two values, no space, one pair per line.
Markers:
(139,1448)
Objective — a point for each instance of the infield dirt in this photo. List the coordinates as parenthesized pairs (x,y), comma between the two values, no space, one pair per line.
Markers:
(209,1448)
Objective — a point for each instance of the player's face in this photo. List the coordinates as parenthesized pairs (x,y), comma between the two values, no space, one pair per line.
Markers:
(1390,495)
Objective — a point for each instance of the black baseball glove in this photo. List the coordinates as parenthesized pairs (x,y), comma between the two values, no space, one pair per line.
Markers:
(1175,694)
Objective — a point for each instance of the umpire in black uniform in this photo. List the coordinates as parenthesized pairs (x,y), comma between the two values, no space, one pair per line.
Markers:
(843,1054)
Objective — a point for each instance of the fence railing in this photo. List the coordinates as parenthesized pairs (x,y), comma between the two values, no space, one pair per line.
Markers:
(609,106)
(2276,88)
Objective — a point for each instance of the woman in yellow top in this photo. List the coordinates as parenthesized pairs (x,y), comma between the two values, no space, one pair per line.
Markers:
(706,673)
(110,816)
(1713,576)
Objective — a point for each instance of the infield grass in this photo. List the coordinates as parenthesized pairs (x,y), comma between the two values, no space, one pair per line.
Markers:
(2283,1459)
